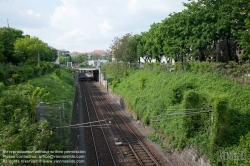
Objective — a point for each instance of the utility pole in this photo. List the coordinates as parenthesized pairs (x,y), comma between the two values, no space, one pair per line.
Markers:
(38,59)
(8,23)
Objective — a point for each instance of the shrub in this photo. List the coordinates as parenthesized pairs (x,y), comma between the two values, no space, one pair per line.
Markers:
(2,75)
(58,72)
(220,123)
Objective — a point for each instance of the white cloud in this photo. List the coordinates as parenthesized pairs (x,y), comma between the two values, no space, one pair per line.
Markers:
(84,25)
(33,14)
(102,10)
(159,6)
(105,27)
(107,19)
(64,16)
(132,5)
(74,35)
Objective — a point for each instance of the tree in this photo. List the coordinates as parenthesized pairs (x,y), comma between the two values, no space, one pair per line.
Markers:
(133,48)
(65,58)
(96,56)
(244,34)
(126,48)
(176,41)
(231,16)
(115,49)
(8,37)
(79,58)
(27,49)
(193,33)
(49,55)
(142,48)
(2,57)
(202,35)
(154,42)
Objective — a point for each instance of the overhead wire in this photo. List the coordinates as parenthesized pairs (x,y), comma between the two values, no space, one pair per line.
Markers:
(82,124)
(177,115)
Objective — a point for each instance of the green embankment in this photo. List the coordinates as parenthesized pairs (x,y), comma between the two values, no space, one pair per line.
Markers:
(19,128)
(226,139)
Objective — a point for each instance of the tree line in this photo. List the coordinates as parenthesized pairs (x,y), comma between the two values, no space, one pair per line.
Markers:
(215,30)
(16,48)
(23,57)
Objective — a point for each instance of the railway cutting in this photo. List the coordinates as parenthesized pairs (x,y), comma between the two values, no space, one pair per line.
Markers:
(107,136)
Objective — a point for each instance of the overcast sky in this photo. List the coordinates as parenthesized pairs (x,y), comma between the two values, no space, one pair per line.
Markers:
(84,25)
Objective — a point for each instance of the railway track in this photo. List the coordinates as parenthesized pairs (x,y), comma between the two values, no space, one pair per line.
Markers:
(133,150)
(98,150)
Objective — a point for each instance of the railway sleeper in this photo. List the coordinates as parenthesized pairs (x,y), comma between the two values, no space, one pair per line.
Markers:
(100,141)
(149,164)
(148,161)
(133,142)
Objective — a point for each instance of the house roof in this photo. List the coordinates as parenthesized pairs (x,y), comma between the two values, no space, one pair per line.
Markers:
(77,53)
(99,51)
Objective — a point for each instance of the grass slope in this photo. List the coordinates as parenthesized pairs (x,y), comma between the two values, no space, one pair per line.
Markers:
(151,93)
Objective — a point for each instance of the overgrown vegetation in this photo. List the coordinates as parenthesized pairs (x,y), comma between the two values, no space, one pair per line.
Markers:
(196,107)
(19,126)
(239,72)
(28,75)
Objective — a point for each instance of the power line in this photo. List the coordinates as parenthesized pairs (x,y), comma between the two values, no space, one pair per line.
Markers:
(81,124)
(178,115)
(183,113)
(166,118)
(99,126)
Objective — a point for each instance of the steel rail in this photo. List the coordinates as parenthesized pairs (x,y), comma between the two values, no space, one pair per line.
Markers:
(91,128)
(114,130)
(132,132)
(101,127)
(130,146)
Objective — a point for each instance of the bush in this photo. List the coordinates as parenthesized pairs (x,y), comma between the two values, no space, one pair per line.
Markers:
(192,123)
(27,72)
(2,75)
(220,123)
(58,72)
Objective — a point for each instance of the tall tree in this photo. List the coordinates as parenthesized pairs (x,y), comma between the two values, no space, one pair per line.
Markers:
(231,16)
(27,49)
(8,36)
(49,55)
(153,42)
(200,25)
(115,51)
(143,49)
(243,35)
(133,48)
(176,43)
(126,52)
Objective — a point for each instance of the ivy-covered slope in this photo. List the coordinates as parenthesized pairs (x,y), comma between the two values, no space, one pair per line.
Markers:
(152,93)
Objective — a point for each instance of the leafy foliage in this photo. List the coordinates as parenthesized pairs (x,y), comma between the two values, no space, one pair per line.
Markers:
(205,30)
(165,95)
(8,37)
(19,128)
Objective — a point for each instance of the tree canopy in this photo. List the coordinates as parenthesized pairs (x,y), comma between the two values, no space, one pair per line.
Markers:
(205,29)
(8,37)
(18,48)
(28,48)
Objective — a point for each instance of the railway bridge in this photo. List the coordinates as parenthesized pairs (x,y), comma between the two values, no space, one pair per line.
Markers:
(83,74)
